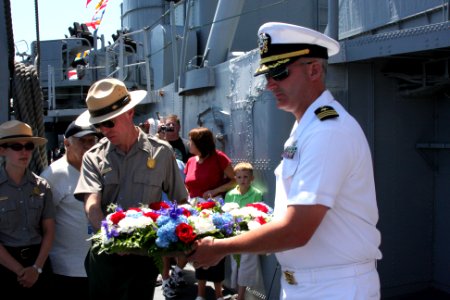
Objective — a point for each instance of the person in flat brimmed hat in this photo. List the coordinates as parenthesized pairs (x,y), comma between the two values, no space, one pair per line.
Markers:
(324,231)
(27,225)
(107,99)
(71,243)
(17,131)
(128,168)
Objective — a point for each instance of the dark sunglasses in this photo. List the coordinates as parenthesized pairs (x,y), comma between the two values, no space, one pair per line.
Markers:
(106,124)
(281,73)
(20,147)
(278,74)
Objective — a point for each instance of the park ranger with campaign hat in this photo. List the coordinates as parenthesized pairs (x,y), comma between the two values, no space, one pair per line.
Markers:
(324,231)
(128,168)
(27,216)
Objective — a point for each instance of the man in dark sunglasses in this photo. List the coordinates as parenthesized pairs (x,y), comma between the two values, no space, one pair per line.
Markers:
(105,124)
(324,232)
(128,168)
(282,72)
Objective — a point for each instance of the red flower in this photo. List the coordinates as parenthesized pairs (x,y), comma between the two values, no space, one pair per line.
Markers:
(152,215)
(206,205)
(158,205)
(186,212)
(260,220)
(185,233)
(117,216)
(259,206)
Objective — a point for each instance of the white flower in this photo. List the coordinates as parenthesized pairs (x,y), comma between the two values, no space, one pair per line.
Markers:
(230,206)
(134,221)
(253,225)
(251,211)
(202,224)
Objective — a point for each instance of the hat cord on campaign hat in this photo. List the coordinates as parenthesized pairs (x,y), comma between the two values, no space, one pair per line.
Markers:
(110,108)
(15,136)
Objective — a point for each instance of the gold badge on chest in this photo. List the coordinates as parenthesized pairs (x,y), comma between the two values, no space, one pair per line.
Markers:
(151,162)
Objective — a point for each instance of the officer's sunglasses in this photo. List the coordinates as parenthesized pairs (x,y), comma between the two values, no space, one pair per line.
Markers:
(281,73)
(106,124)
(19,147)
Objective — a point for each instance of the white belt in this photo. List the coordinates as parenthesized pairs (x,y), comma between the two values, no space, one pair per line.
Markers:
(294,276)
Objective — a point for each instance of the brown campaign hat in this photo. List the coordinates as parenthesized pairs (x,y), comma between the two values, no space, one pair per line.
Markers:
(106,99)
(17,131)
(282,43)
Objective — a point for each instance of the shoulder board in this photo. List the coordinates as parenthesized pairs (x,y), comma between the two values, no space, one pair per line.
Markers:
(326,112)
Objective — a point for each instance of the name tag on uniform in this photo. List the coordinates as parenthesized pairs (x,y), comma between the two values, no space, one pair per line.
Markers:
(289,152)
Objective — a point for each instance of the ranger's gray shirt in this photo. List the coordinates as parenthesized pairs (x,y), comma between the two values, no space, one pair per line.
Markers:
(22,208)
(129,179)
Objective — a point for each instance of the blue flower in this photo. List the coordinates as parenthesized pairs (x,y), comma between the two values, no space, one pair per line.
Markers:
(110,232)
(224,222)
(166,228)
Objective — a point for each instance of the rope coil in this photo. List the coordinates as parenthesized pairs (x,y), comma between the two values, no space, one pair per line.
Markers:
(28,106)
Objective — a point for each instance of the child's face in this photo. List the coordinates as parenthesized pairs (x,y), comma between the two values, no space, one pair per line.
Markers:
(243,178)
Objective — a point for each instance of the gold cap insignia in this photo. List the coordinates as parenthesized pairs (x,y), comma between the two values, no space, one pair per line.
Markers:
(263,43)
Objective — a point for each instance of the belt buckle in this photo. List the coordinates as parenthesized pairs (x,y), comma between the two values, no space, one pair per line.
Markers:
(290,277)
(25,253)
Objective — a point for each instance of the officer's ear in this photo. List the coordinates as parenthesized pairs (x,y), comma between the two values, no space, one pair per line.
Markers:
(66,143)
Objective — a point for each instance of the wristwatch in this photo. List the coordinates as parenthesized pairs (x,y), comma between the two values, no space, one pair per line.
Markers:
(38,269)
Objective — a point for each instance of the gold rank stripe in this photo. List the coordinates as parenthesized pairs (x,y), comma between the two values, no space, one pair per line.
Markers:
(326,112)
(283,56)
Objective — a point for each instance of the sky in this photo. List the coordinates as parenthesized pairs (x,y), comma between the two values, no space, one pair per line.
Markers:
(56,16)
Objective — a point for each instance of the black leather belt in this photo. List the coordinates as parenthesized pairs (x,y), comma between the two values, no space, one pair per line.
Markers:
(25,252)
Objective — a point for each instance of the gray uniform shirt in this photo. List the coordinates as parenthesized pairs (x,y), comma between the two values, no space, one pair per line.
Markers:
(129,179)
(22,209)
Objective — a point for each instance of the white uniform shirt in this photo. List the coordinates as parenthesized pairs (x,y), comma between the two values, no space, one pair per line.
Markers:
(330,164)
(70,246)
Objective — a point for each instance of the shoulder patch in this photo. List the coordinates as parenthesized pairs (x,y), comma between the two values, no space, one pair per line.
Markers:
(326,112)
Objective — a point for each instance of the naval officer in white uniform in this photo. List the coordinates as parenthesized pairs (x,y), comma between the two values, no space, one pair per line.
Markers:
(324,232)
